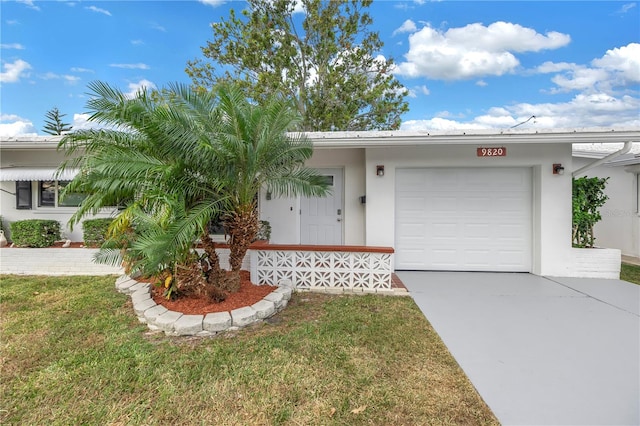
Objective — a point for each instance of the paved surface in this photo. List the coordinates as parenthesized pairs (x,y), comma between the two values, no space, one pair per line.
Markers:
(540,351)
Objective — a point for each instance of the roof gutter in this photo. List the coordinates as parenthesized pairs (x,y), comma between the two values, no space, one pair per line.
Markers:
(626,148)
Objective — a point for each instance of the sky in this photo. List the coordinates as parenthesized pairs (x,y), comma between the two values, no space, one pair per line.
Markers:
(466,65)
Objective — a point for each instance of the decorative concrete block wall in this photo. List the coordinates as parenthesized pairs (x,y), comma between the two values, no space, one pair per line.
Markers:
(328,268)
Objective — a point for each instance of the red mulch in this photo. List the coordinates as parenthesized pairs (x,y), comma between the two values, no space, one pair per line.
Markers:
(248,294)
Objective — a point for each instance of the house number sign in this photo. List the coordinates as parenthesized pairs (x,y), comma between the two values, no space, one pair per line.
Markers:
(492,152)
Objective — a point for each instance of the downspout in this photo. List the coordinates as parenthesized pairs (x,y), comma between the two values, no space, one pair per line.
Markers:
(626,148)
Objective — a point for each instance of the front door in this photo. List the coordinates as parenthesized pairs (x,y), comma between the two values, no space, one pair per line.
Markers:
(321,217)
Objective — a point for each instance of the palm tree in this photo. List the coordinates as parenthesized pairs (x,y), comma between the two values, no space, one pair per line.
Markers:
(256,152)
(177,158)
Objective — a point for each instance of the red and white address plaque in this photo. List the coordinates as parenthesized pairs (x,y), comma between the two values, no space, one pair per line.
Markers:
(492,152)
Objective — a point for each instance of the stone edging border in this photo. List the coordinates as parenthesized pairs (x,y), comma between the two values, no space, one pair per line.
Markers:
(173,323)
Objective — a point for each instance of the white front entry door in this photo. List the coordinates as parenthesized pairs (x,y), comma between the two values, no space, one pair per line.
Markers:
(464,219)
(321,217)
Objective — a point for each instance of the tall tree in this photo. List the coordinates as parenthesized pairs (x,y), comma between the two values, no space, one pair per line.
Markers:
(53,124)
(181,157)
(326,59)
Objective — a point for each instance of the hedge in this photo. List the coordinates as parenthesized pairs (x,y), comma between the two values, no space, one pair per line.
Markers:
(35,232)
(95,231)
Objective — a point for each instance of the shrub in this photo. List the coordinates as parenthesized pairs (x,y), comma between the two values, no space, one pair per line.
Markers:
(588,197)
(95,231)
(35,232)
(1,224)
(264,231)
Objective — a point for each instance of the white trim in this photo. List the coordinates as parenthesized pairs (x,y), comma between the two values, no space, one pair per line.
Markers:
(12,174)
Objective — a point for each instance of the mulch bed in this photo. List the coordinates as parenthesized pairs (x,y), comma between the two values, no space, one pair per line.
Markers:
(248,294)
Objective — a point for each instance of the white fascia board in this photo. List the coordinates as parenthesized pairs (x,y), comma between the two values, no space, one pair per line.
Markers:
(475,137)
(413,138)
(30,142)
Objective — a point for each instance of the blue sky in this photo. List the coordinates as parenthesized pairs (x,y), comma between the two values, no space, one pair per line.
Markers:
(467,65)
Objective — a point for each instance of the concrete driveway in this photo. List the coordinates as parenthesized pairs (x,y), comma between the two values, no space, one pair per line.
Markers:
(540,350)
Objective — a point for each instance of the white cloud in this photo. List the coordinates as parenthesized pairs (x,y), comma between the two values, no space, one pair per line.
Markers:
(623,61)
(137,42)
(407,26)
(14,125)
(618,67)
(424,90)
(29,4)
(14,71)
(595,110)
(580,78)
(299,7)
(81,122)
(76,69)
(16,46)
(213,3)
(625,8)
(66,77)
(158,27)
(138,66)
(482,83)
(134,88)
(98,10)
(549,67)
(473,51)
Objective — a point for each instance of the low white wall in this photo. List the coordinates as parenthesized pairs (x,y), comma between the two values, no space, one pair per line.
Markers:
(53,261)
(70,261)
(596,263)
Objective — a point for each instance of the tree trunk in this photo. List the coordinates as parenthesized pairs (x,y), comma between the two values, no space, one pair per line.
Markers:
(242,226)
(215,273)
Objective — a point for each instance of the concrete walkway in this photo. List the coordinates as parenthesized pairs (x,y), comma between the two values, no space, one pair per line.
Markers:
(540,351)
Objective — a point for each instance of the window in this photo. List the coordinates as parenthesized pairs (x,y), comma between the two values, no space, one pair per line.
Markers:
(23,195)
(72,199)
(49,195)
(328,179)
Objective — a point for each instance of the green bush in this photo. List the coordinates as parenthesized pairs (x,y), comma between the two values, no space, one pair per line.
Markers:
(95,231)
(35,232)
(588,197)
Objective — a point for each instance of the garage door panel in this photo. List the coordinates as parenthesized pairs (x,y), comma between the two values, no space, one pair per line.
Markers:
(464,219)
(477,258)
(444,257)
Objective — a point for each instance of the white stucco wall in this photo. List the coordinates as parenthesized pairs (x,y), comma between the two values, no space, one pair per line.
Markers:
(551,228)
(46,157)
(284,213)
(620,225)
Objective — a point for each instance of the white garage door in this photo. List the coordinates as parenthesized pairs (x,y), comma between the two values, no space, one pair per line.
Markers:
(466,219)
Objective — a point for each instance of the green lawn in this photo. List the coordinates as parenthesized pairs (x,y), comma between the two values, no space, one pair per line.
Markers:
(630,273)
(73,352)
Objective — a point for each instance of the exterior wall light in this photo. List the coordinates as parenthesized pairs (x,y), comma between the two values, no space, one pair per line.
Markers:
(380,170)
(558,169)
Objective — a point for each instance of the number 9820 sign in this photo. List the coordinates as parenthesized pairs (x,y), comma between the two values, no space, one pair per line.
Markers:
(492,152)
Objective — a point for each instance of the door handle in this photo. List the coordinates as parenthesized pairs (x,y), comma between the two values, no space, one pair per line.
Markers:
(339,220)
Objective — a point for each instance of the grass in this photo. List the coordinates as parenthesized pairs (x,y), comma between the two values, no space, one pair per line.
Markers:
(630,273)
(73,352)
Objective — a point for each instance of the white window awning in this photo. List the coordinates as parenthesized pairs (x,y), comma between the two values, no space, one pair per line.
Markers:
(8,174)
